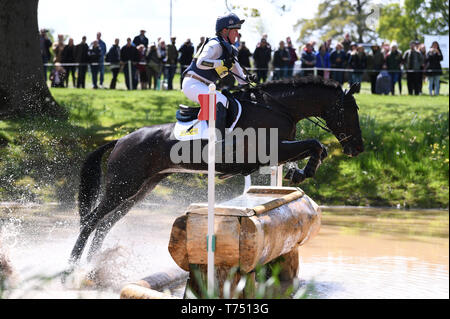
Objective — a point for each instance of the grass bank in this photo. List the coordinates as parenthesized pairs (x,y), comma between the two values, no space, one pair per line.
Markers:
(405,162)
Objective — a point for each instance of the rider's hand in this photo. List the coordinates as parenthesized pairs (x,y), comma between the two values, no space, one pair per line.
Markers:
(228,63)
(252,78)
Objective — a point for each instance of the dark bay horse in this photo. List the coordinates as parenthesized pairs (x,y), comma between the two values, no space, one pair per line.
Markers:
(140,160)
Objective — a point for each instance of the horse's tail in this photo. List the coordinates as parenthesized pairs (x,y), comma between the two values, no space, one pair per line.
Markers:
(90,179)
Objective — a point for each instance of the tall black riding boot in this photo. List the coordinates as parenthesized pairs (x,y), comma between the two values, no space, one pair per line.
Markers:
(226,145)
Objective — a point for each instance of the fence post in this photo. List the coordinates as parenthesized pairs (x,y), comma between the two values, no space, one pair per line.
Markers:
(130,76)
(211,187)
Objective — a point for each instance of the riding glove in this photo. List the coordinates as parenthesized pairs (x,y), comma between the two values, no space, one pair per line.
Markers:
(228,62)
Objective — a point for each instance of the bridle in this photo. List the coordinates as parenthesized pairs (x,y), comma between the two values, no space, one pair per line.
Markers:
(336,110)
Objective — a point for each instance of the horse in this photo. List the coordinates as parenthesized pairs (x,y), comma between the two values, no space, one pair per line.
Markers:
(141,159)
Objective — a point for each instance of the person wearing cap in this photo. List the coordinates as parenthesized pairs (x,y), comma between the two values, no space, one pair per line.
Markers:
(413,60)
(394,62)
(262,56)
(215,60)
(338,61)
(141,39)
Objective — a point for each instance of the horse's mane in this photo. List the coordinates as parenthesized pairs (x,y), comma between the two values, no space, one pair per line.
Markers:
(297,82)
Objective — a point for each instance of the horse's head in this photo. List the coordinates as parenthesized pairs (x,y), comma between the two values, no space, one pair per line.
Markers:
(342,118)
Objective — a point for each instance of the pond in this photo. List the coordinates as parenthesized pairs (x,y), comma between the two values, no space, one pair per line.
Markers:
(358,253)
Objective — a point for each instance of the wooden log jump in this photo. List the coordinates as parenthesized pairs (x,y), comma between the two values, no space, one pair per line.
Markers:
(253,229)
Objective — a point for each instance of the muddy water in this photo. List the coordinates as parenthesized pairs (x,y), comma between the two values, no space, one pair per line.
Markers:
(357,253)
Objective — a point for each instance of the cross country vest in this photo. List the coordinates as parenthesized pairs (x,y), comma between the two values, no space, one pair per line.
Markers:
(212,74)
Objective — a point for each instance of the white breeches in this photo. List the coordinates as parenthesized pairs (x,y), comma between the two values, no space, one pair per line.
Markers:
(192,88)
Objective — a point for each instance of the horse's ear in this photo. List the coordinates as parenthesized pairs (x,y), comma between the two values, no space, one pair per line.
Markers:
(356,87)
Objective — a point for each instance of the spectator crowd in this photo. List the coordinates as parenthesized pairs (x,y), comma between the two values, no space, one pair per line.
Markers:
(154,64)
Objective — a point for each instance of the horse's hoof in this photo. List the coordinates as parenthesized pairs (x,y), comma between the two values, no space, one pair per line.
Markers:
(295,175)
(299,176)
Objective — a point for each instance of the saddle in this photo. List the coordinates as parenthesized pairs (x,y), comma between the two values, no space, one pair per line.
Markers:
(190,113)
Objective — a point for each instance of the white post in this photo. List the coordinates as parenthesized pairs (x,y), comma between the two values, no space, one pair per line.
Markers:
(247,183)
(276,175)
(130,76)
(211,187)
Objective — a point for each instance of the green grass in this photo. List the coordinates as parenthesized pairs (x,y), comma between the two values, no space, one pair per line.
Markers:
(405,160)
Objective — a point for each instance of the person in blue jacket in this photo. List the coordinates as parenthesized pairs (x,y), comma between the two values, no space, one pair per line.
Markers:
(323,61)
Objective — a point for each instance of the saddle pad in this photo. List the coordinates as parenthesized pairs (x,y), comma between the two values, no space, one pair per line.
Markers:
(199,129)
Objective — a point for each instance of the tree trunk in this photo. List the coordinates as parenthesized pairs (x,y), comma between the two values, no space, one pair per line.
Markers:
(23,90)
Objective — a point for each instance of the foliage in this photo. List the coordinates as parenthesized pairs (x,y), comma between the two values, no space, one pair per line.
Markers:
(413,20)
(336,17)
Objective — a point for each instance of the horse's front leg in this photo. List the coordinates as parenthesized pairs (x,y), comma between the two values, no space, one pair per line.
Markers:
(291,151)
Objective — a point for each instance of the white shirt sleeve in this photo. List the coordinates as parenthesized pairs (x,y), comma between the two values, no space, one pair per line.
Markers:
(238,70)
(209,58)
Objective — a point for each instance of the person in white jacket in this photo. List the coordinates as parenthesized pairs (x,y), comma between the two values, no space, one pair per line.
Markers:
(214,60)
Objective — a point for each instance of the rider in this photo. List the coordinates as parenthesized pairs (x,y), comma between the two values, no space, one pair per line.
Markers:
(214,60)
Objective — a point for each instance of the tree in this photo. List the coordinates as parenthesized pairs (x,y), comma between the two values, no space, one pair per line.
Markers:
(336,17)
(23,90)
(412,20)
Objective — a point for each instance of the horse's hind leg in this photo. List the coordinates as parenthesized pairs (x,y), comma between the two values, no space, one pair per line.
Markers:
(101,210)
(108,221)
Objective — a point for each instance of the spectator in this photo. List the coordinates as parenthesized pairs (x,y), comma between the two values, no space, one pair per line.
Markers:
(347,43)
(385,48)
(45,45)
(142,67)
(81,57)
(58,49)
(323,61)
(265,37)
(237,44)
(202,40)
(129,56)
(162,52)
(308,59)
(292,57)
(141,39)
(154,66)
(101,60)
(244,55)
(68,57)
(94,54)
(280,62)
(328,47)
(412,60)
(338,61)
(375,62)
(172,60)
(262,57)
(433,68)
(186,54)
(384,82)
(57,76)
(393,62)
(348,75)
(113,57)
(358,62)
(423,53)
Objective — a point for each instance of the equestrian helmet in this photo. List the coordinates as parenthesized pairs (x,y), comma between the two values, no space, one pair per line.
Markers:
(230,21)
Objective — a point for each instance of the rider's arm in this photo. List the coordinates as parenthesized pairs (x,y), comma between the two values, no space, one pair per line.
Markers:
(237,69)
(208,59)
